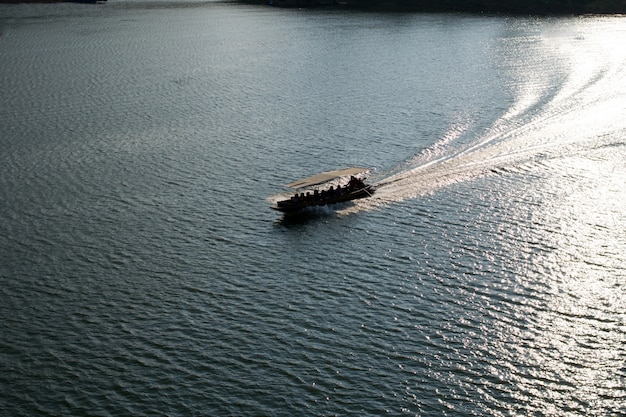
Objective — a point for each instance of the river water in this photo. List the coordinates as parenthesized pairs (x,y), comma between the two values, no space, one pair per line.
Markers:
(143,273)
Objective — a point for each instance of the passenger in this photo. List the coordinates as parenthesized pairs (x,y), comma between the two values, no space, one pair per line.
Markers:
(352,183)
(356,183)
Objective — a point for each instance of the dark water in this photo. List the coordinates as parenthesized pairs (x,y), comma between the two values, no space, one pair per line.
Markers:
(143,273)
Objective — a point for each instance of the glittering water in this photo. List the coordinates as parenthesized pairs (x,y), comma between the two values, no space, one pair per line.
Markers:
(142,272)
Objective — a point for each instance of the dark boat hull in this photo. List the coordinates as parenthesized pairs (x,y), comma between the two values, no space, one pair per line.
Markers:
(289,206)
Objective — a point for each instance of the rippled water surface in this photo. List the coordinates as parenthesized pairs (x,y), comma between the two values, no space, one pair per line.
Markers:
(143,273)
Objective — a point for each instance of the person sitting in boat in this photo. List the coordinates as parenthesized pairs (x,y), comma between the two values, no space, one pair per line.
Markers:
(355,183)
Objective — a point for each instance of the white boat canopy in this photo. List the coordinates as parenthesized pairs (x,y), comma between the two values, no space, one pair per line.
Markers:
(326,176)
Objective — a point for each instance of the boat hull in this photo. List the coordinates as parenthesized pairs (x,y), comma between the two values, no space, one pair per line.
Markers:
(289,206)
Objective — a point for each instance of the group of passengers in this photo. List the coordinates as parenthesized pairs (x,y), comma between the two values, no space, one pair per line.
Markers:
(332,192)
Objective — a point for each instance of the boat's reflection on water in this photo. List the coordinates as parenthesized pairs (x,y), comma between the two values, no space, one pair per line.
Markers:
(311,215)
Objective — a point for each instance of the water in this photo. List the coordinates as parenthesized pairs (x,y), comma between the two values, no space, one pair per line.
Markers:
(143,273)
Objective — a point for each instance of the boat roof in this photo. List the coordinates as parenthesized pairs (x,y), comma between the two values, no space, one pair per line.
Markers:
(323,177)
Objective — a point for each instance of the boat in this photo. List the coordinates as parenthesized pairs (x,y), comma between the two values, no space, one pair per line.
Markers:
(326,188)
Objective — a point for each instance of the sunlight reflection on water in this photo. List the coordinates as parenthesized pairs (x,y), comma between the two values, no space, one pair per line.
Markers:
(578,348)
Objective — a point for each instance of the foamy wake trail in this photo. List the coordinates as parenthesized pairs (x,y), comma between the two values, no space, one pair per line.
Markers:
(585,111)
